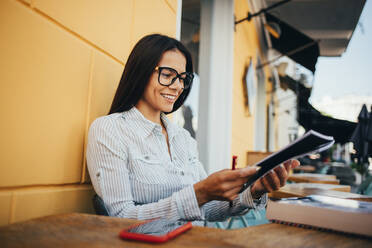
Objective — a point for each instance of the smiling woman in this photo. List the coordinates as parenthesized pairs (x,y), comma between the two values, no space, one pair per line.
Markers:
(143,166)
(165,85)
(140,70)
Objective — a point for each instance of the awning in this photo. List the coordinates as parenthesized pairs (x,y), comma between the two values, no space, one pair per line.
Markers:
(294,44)
(332,22)
(310,118)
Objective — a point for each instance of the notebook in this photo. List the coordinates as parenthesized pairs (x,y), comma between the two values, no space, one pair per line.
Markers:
(310,142)
(324,213)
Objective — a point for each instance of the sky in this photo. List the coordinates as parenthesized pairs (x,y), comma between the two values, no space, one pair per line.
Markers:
(352,72)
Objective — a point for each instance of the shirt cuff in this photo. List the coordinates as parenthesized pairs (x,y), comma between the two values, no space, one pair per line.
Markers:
(247,200)
(187,204)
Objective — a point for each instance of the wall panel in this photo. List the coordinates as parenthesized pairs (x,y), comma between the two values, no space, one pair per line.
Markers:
(60,64)
(33,203)
(44,75)
(105,79)
(153,18)
(5,206)
(106,24)
(173,5)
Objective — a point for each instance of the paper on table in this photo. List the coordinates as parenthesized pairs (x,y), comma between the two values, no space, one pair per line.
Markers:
(310,142)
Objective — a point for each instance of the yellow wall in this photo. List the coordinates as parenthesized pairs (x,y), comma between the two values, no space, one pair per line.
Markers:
(60,64)
(246,47)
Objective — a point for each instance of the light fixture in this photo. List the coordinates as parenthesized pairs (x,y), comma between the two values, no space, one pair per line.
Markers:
(250,15)
(274,29)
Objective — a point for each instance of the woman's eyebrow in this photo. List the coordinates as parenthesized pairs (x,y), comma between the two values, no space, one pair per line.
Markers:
(172,68)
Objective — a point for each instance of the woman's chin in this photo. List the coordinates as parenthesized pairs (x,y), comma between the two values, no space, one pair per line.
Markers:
(167,108)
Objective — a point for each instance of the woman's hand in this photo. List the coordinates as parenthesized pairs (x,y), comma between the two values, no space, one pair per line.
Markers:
(223,185)
(273,180)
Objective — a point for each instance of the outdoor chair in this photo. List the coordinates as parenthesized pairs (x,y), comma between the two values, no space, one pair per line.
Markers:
(252,218)
(365,188)
(99,206)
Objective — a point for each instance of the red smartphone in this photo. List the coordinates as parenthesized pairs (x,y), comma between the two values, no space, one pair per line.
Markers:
(155,230)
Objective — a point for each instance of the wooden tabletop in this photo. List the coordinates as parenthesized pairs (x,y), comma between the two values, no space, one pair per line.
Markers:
(83,230)
(305,168)
(305,189)
(313,178)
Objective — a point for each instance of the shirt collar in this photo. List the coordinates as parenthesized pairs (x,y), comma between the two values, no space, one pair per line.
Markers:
(148,127)
(172,129)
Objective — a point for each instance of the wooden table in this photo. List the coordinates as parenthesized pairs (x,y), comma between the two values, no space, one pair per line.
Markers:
(305,168)
(313,178)
(83,230)
(305,189)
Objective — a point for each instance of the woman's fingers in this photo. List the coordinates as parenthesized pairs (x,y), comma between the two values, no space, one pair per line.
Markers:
(290,164)
(278,177)
(231,194)
(282,174)
(239,177)
(266,184)
(274,180)
(226,184)
(287,165)
(248,171)
(230,185)
(232,175)
(295,163)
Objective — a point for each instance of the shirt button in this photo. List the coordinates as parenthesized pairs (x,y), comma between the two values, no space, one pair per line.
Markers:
(182,173)
(98,174)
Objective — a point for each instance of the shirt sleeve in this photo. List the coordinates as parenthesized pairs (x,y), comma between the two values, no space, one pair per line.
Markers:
(221,210)
(107,164)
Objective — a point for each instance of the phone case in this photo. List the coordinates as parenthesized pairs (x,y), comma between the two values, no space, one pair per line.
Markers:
(124,234)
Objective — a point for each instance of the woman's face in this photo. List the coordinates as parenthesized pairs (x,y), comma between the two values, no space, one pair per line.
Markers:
(158,98)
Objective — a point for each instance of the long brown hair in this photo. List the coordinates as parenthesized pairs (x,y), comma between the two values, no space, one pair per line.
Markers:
(141,63)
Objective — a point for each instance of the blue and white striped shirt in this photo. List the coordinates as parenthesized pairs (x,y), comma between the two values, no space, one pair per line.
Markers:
(133,172)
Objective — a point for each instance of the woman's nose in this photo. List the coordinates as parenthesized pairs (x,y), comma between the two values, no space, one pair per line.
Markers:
(177,84)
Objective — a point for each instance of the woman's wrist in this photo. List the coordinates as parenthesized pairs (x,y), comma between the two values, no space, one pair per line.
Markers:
(201,196)
(256,194)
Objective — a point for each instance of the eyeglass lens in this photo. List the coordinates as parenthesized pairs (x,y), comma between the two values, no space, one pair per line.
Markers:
(168,76)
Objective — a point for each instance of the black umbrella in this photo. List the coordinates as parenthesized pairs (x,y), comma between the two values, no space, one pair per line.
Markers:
(311,118)
(362,139)
(359,136)
(369,134)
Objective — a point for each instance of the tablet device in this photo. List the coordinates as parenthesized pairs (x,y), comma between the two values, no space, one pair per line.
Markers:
(155,231)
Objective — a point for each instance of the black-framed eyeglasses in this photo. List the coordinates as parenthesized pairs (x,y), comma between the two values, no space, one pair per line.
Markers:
(167,76)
